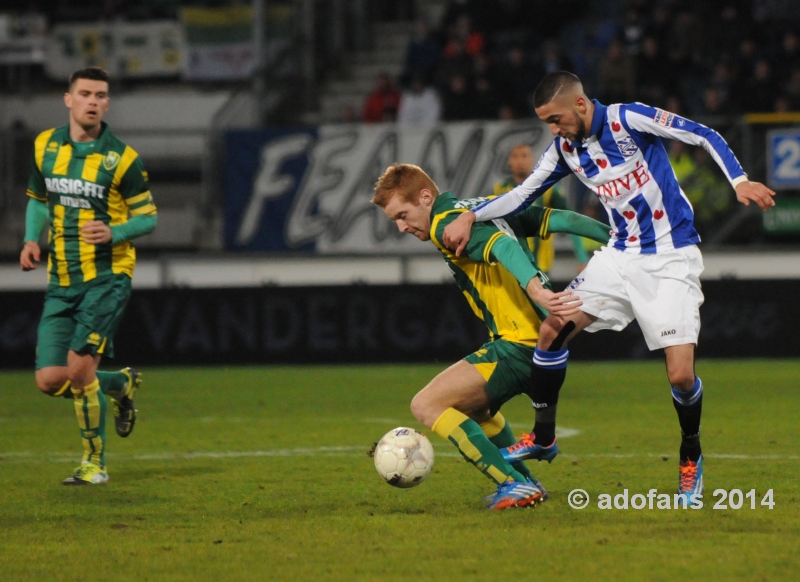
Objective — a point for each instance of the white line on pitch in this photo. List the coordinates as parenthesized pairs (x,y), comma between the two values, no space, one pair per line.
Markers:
(355,450)
(562,432)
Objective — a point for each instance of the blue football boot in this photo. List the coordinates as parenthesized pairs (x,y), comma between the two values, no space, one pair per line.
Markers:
(515,494)
(526,448)
(690,480)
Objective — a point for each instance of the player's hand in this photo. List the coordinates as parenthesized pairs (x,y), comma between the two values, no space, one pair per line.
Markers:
(457,233)
(756,192)
(96,232)
(29,256)
(562,304)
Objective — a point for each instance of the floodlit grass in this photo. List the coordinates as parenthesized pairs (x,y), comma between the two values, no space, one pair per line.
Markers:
(262,474)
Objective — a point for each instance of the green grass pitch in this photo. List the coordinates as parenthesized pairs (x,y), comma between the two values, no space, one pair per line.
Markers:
(262,474)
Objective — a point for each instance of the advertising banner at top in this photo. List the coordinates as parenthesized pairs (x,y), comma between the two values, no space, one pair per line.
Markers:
(220,45)
(310,188)
(124,49)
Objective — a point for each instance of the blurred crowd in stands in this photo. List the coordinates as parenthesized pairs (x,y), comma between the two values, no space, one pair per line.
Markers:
(709,60)
(701,59)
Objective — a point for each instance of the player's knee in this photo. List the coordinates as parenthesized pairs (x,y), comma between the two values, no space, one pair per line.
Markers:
(418,408)
(548,332)
(50,384)
(80,376)
(422,410)
(681,379)
(47,388)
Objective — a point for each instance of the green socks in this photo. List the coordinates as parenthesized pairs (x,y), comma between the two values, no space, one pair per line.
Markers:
(90,408)
(113,384)
(475,446)
(500,434)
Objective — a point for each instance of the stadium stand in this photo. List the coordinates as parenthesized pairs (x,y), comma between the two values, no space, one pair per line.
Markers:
(469,59)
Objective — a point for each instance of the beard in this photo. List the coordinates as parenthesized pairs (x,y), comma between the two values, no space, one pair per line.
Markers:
(580,133)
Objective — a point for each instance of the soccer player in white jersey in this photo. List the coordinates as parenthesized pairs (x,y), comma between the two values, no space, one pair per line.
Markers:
(650,268)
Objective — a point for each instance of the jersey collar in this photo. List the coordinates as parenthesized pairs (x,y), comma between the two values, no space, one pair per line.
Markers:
(443,201)
(99,143)
(598,118)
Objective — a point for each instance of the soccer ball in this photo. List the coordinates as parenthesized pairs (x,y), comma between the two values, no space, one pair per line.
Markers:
(404,457)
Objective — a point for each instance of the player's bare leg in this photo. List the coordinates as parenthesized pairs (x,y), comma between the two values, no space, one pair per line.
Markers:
(460,386)
(556,332)
(53,381)
(56,380)
(446,405)
(81,370)
(680,366)
(687,397)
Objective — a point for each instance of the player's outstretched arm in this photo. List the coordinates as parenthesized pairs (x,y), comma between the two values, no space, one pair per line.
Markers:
(747,192)
(568,222)
(562,304)
(644,118)
(550,168)
(508,253)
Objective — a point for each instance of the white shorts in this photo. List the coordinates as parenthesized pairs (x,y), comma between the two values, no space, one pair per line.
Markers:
(662,291)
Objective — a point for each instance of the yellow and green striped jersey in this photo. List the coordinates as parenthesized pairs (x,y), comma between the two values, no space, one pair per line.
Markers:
(99,180)
(494,294)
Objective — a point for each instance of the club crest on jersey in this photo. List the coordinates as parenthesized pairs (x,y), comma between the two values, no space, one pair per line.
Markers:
(664,118)
(627,147)
(111,160)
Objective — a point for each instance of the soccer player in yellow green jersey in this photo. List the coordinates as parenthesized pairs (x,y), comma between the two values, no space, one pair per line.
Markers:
(498,276)
(92,189)
(520,162)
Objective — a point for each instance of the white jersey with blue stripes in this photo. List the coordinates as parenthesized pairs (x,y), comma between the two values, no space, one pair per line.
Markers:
(623,161)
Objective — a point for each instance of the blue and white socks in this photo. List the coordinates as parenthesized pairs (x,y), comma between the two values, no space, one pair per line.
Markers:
(548,374)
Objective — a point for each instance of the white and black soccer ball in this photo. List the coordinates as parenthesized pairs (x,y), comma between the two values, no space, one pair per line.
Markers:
(404,457)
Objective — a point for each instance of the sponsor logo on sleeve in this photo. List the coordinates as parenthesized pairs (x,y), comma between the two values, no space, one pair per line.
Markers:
(664,118)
